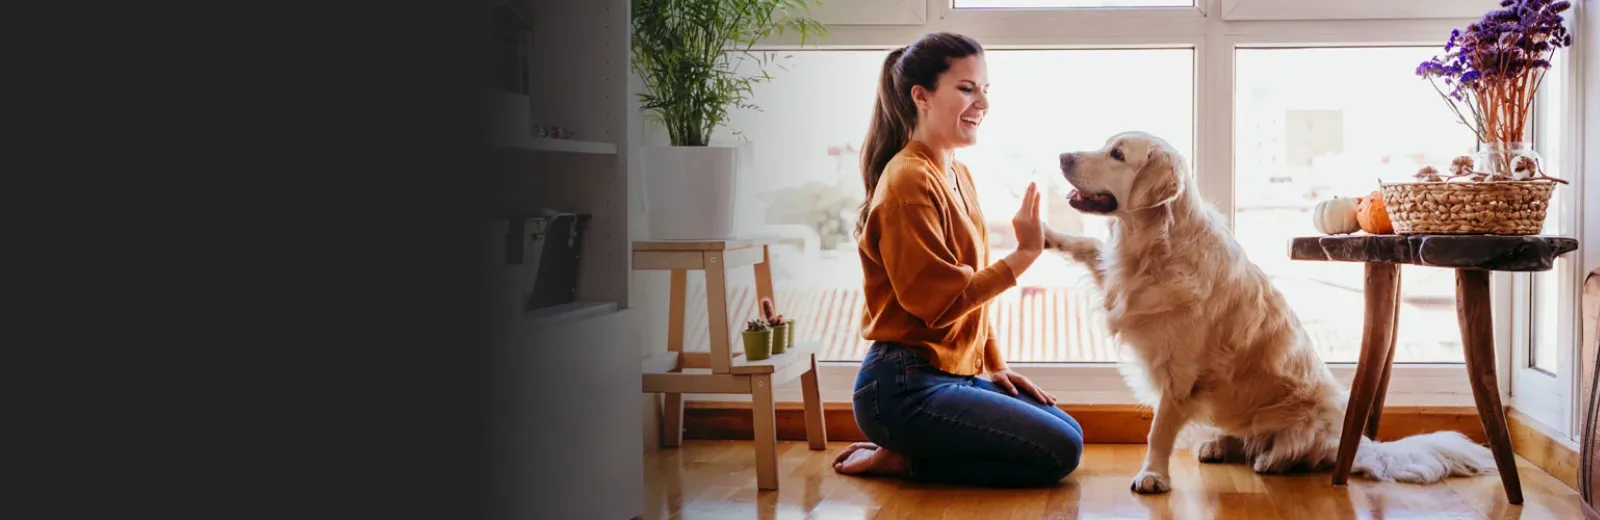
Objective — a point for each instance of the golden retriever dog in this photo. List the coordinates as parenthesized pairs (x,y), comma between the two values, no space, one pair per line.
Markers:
(1215,344)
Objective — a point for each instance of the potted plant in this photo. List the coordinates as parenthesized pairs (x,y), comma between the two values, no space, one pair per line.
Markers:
(782,329)
(757,340)
(688,53)
(1492,71)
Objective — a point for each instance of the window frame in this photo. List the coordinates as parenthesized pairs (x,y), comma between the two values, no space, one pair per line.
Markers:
(1206,28)
(1548,398)
(1321,10)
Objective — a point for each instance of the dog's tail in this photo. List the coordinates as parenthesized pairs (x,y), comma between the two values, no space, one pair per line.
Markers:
(1423,458)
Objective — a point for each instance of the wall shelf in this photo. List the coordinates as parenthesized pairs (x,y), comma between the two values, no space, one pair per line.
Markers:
(538,144)
(591,346)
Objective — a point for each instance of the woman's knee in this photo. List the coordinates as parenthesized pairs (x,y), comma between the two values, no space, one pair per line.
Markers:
(1066,450)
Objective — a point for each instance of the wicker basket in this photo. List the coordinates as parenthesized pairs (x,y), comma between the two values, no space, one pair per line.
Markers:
(1468,208)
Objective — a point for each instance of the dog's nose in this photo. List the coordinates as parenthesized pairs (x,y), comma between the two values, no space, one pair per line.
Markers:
(1067,160)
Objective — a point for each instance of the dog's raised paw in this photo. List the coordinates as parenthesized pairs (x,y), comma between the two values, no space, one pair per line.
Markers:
(1147,482)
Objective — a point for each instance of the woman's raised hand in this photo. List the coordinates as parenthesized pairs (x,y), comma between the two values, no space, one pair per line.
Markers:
(1030,230)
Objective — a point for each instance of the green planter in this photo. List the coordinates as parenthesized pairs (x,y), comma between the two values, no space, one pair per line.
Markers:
(758,345)
(781,338)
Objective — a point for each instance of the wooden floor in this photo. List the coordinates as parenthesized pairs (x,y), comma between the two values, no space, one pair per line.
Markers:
(716,479)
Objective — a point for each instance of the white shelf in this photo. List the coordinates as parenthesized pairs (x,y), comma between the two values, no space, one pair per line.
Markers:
(568,312)
(538,144)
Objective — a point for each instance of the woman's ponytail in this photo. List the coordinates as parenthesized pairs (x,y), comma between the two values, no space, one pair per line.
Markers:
(893,117)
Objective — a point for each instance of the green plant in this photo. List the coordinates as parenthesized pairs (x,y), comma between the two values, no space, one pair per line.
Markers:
(687,53)
(757,325)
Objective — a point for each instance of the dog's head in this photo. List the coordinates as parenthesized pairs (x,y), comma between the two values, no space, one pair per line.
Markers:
(1133,171)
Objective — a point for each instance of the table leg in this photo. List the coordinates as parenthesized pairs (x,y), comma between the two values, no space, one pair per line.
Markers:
(1388,364)
(1475,316)
(1382,295)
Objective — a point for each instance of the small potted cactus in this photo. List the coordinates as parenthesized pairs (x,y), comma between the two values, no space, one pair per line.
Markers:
(757,340)
(782,328)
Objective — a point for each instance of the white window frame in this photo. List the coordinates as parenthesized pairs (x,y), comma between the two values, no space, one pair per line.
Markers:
(1204,27)
(1548,398)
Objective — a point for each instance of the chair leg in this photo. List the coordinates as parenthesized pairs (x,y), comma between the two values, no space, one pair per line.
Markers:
(1382,285)
(717,313)
(1475,316)
(816,429)
(672,421)
(672,410)
(766,431)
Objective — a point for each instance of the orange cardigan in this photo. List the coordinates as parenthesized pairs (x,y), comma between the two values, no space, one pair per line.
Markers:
(925,257)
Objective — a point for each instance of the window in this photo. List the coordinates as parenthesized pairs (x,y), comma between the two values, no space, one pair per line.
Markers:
(1047,4)
(1278,103)
(1313,123)
(808,187)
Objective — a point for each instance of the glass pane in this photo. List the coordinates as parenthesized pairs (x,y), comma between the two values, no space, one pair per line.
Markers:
(1549,125)
(1315,123)
(1047,4)
(805,185)
(1546,337)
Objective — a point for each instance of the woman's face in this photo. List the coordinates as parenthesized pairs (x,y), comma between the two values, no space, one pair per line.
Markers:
(952,112)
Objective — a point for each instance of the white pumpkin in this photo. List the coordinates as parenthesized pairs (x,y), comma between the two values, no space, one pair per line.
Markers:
(1336,216)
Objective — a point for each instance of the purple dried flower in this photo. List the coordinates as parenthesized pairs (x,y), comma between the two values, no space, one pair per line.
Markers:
(1508,47)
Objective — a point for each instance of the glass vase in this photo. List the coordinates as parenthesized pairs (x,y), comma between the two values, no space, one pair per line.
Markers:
(1505,161)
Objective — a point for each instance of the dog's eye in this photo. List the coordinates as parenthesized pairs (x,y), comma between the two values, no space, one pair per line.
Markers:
(1116,153)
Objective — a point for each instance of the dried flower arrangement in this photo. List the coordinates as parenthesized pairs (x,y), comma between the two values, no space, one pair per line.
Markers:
(1493,70)
(1490,74)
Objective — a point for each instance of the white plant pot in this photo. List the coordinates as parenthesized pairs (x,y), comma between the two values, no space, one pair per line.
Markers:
(690,191)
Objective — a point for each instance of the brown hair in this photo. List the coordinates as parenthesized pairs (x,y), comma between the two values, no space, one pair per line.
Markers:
(894,115)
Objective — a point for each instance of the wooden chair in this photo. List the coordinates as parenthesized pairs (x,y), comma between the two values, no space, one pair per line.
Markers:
(1589,349)
(724,370)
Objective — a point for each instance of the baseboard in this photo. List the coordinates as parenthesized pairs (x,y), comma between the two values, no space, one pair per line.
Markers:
(1530,441)
(1102,424)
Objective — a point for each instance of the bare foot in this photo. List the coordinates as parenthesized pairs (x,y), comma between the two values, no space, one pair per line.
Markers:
(865,458)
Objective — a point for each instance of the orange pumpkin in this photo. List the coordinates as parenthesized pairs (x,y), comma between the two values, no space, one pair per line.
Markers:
(1373,216)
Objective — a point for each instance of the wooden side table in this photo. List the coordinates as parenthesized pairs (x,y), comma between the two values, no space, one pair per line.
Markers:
(724,370)
(1473,257)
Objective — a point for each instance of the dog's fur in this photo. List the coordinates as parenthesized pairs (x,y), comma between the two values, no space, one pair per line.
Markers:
(1215,343)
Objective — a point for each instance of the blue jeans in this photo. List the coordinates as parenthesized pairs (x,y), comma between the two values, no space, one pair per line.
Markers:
(961,429)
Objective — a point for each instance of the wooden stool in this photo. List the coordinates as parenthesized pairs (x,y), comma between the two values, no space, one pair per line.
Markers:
(1473,257)
(722,370)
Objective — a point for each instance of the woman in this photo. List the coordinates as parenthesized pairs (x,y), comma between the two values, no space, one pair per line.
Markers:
(924,251)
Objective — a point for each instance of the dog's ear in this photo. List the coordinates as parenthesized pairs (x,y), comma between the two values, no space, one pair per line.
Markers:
(1157,183)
